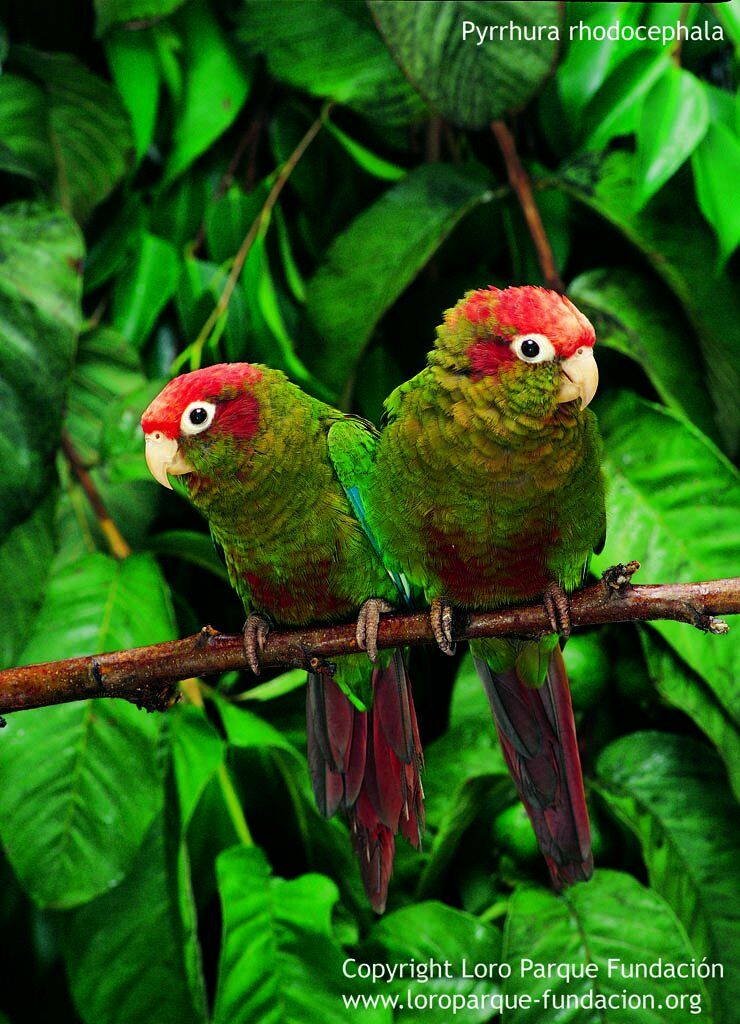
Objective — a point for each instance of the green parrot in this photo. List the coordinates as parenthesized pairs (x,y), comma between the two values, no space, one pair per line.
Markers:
(275,473)
(486,490)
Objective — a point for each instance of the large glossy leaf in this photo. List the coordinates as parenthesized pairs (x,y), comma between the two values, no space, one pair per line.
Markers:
(674,119)
(716,164)
(87,134)
(279,961)
(144,288)
(369,265)
(330,48)
(682,251)
(634,318)
(132,58)
(432,932)
(671,791)
(215,86)
(72,820)
(127,951)
(472,79)
(119,12)
(613,918)
(673,504)
(688,692)
(617,106)
(197,752)
(40,286)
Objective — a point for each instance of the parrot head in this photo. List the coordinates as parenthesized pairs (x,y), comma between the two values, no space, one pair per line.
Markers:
(202,422)
(530,349)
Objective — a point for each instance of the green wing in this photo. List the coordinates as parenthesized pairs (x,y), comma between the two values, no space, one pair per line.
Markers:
(352,441)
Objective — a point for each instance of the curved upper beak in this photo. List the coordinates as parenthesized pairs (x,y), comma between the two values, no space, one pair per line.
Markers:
(580,377)
(163,457)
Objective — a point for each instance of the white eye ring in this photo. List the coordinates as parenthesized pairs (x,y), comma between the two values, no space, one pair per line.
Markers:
(192,426)
(546,349)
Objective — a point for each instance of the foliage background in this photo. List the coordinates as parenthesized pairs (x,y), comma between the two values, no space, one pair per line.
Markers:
(173,868)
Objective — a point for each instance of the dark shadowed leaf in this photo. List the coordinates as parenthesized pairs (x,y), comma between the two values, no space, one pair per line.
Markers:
(372,262)
(40,285)
(118,12)
(716,163)
(87,130)
(132,953)
(279,960)
(330,48)
(635,319)
(672,792)
(432,932)
(470,82)
(682,251)
(672,503)
(72,820)
(611,918)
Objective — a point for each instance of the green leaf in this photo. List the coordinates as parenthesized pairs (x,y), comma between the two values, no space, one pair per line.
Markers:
(144,288)
(215,87)
(331,49)
(432,932)
(671,792)
(611,918)
(675,118)
(87,129)
(616,108)
(470,81)
(117,12)
(632,317)
(189,546)
(72,820)
(129,953)
(279,962)
(286,682)
(365,158)
(716,164)
(26,554)
(132,58)
(40,286)
(228,220)
(682,251)
(672,503)
(245,729)
(688,692)
(371,263)
(197,752)
(23,127)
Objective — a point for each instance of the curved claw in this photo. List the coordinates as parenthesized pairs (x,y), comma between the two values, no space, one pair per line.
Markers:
(441,615)
(256,629)
(557,606)
(368,620)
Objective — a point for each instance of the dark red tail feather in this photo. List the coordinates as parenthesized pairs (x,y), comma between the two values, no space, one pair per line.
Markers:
(369,764)
(538,739)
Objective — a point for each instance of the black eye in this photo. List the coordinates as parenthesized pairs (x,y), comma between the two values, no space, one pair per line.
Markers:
(198,416)
(529,349)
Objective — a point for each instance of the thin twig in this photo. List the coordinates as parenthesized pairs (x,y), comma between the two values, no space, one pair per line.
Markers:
(116,541)
(676,51)
(522,186)
(259,224)
(146,675)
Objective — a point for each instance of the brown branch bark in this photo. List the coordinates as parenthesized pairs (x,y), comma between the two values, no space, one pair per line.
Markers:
(519,180)
(147,675)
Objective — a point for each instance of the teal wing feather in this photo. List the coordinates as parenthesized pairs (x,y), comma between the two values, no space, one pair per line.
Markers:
(352,442)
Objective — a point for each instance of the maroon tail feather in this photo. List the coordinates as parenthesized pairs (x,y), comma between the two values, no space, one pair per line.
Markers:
(538,739)
(369,764)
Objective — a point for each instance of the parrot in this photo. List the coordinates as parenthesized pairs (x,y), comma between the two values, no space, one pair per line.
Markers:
(275,474)
(484,490)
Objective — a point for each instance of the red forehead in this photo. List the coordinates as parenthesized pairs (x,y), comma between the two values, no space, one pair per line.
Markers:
(519,310)
(212,382)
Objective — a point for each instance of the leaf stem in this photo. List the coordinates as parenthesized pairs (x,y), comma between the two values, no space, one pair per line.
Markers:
(119,548)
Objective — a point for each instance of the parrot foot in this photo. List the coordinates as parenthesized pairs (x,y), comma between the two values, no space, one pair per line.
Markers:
(441,615)
(368,620)
(557,606)
(256,629)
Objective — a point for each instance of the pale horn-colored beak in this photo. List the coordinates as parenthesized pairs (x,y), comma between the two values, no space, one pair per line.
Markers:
(163,457)
(580,377)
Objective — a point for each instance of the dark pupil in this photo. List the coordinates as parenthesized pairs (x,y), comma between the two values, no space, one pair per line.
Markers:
(198,416)
(530,349)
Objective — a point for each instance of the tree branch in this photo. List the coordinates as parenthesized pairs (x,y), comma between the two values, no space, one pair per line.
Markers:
(147,675)
(114,537)
(519,180)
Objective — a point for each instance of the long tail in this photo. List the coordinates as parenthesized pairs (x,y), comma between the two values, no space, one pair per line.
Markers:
(368,763)
(538,738)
